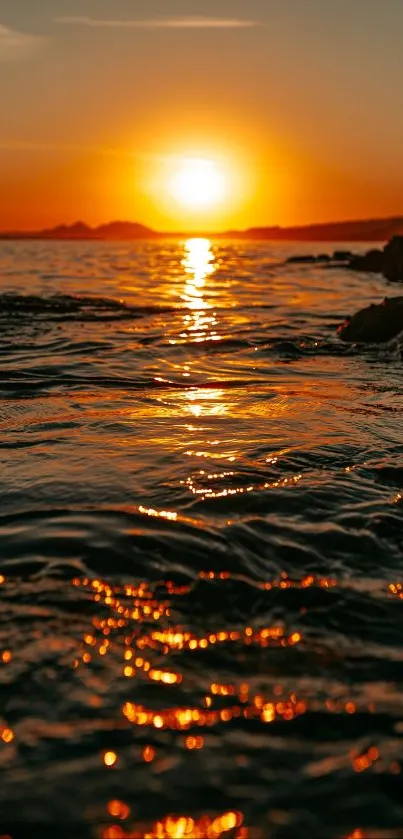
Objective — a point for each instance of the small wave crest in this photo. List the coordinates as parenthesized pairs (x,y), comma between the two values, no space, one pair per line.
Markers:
(71,307)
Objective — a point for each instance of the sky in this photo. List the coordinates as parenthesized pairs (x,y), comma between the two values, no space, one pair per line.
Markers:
(297,102)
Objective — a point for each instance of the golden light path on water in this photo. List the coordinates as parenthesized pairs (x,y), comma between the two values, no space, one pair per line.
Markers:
(200,321)
(200,324)
(199,265)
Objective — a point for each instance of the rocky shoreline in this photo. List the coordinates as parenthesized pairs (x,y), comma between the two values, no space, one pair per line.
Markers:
(388,261)
(376,324)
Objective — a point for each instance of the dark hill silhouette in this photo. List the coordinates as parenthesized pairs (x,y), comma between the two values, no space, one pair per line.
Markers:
(367,230)
(125,230)
(79,230)
(118,230)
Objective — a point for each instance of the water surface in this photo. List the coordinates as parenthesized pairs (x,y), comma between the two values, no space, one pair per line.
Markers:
(201,545)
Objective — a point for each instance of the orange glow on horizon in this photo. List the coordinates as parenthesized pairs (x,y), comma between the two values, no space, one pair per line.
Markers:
(189,187)
(141,99)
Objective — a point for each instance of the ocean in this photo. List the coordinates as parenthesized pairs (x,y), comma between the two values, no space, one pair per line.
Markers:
(201,571)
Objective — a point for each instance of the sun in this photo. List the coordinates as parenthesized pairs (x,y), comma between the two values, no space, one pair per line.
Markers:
(198,183)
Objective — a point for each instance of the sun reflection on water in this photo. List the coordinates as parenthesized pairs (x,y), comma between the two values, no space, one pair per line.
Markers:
(206,402)
(198,263)
(200,321)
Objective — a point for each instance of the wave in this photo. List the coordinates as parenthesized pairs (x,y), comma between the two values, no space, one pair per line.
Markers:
(72,307)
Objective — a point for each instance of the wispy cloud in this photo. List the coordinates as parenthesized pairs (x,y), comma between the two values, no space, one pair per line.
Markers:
(15,45)
(162,23)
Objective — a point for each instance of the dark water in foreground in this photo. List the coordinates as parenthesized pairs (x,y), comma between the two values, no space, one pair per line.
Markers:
(201,629)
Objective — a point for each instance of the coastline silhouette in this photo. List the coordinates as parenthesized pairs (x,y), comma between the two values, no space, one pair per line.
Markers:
(364,230)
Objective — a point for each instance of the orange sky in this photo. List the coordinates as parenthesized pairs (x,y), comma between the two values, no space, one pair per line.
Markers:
(297,102)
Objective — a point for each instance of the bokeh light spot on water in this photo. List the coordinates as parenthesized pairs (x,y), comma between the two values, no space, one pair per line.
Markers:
(7,735)
(118,809)
(184,827)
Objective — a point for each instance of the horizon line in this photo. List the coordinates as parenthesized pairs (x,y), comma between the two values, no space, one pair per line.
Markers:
(94,228)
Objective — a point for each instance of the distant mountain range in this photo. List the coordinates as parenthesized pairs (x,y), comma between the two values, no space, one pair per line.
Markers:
(119,230)
(368,230)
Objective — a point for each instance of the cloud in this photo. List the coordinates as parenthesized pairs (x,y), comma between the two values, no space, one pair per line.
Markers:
(162,23)
(15,45)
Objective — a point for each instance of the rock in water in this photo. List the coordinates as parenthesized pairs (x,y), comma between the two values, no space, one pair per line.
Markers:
(336,257)
(393,260)
(376,324)
(304,258)
(371,261)
(342,256)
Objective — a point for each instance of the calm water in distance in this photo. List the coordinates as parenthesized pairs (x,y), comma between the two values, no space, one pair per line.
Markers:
(200,545)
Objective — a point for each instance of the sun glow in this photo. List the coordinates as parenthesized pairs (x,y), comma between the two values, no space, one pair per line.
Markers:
(198,183)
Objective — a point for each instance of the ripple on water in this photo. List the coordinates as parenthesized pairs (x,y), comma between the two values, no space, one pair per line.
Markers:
(201,593)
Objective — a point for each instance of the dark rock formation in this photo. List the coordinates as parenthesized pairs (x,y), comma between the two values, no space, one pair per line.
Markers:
(392,267)
(371,261)
(388,262)
(376,324)
(302,259)
(337,257)
(342,256)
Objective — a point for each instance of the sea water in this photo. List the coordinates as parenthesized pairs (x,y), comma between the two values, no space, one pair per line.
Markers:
(201,545)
